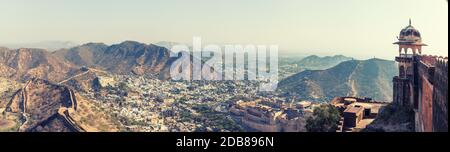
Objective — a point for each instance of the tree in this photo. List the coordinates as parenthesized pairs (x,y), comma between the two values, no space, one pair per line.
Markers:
(325,119)
(123,86)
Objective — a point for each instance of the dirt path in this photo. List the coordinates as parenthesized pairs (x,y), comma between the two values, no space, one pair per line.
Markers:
(351,82)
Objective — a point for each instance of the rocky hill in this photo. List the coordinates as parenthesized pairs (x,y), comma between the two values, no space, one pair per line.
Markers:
(315,62)
(41,106)
(128,57)
(393,118)
(368,78)
(7,89)
(84,55)
(23,64)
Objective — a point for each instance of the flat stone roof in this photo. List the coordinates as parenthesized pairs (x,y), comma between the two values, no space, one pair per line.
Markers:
(354,109)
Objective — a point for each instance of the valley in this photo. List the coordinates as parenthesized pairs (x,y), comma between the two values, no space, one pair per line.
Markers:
(124,87)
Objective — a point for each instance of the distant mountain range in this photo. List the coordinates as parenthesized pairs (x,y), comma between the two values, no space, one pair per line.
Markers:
(128,57)
(368,78)
(315,62)
(46,45)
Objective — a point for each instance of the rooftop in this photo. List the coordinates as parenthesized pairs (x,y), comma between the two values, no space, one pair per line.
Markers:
(355,109)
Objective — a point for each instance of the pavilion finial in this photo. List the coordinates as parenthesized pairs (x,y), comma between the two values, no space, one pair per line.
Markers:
(410,23)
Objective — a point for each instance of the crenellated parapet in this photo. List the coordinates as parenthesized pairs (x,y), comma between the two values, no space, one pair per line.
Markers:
(442,63)
(440,96)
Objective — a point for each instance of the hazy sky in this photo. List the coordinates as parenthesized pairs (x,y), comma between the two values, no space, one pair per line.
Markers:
(359,28)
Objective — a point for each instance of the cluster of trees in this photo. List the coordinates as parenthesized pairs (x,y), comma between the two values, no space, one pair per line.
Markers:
(325,119)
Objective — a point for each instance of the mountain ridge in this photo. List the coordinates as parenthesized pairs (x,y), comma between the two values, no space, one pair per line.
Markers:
(123,58)
(367,78)
(23,64)
(315,62)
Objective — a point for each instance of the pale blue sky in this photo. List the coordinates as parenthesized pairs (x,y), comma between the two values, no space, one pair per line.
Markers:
(359,28)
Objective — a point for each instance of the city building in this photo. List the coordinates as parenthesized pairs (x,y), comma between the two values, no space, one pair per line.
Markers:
(356,113)
(267,115)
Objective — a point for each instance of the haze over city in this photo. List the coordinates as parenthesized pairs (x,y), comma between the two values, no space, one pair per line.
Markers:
(355,28)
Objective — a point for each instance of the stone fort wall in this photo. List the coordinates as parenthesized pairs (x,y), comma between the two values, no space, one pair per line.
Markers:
(432,94)
(440,96)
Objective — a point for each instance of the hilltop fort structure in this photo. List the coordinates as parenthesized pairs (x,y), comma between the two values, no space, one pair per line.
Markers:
(422,83)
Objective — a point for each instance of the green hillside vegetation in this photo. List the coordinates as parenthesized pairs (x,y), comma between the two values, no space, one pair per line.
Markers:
(360,78)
